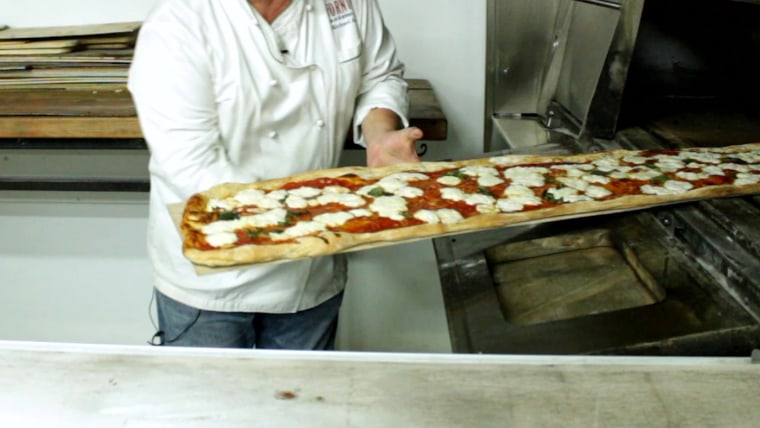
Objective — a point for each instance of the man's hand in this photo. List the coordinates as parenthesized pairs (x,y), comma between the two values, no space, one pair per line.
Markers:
(387,144)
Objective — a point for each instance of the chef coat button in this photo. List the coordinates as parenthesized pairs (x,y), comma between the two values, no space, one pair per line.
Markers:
(320,123)
(308,7)
(272,82)
(273,134)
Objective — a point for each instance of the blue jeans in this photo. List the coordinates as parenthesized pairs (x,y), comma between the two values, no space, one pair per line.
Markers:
(310,329)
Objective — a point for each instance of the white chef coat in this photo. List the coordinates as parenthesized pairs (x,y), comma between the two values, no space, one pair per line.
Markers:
(218,102)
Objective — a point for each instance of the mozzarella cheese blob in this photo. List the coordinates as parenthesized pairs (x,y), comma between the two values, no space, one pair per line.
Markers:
(361,212)
(531,176)
(222,204)
(597,192)
(265,219)
(296,202)
(449,216)
(305,192)
(743,179)
(567,194)
(298,230)
(333,219)
(449,180)
(392,207)
(692,176)
(523,195)
(258,198)
(509,205)
(221,239)
(479,170)
(606,164)
(409,192)
(348,199)
(390,184)
(427,216)
(489,180)
(575,183)
(452,194)
(669,164)
(671,187)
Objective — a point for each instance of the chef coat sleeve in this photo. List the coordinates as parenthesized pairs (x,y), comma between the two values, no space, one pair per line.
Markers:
(382,84)
(172,87)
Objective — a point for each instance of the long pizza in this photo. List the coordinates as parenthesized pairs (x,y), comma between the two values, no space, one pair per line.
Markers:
(328,211)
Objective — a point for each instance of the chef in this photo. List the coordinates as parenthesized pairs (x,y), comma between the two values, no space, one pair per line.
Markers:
(241,91)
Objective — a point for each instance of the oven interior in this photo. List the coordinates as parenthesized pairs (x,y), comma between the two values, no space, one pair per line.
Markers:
(677,280)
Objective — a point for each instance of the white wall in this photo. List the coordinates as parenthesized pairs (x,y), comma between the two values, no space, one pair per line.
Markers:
(443,41)
(39,13)
(73,268)
(93,291)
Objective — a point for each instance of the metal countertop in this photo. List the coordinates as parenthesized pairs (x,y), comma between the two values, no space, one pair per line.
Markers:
(54,384)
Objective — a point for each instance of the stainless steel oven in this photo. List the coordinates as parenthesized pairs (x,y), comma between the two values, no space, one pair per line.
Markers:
(572,76)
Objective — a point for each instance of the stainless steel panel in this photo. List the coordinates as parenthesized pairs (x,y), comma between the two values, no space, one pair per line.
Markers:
(520,37)
(587,41)
(515,133)
(549,58)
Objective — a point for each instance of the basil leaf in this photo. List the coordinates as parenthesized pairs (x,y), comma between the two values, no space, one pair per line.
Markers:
(485,191)
(254,233)
(229,215)
(455,173)
(376,192)
(550,197)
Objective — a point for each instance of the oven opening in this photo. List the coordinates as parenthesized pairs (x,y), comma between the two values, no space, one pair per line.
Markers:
(611,284)
(572,275)
(694,79)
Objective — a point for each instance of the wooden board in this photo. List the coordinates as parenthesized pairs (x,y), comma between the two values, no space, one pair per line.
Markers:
(75,58)
(67,72)
(69,30)
(108,46)
(108,39)
(34,113)
(67,103)
(70,127)
(43,44)
(58,81)
(35,51)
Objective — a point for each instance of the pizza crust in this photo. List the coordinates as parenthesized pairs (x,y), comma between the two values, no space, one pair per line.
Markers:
(329,242)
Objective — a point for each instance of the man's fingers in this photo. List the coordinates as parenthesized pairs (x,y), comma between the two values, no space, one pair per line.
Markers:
(413,133)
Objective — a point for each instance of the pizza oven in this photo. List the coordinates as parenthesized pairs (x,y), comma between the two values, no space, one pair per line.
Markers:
(575,76)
